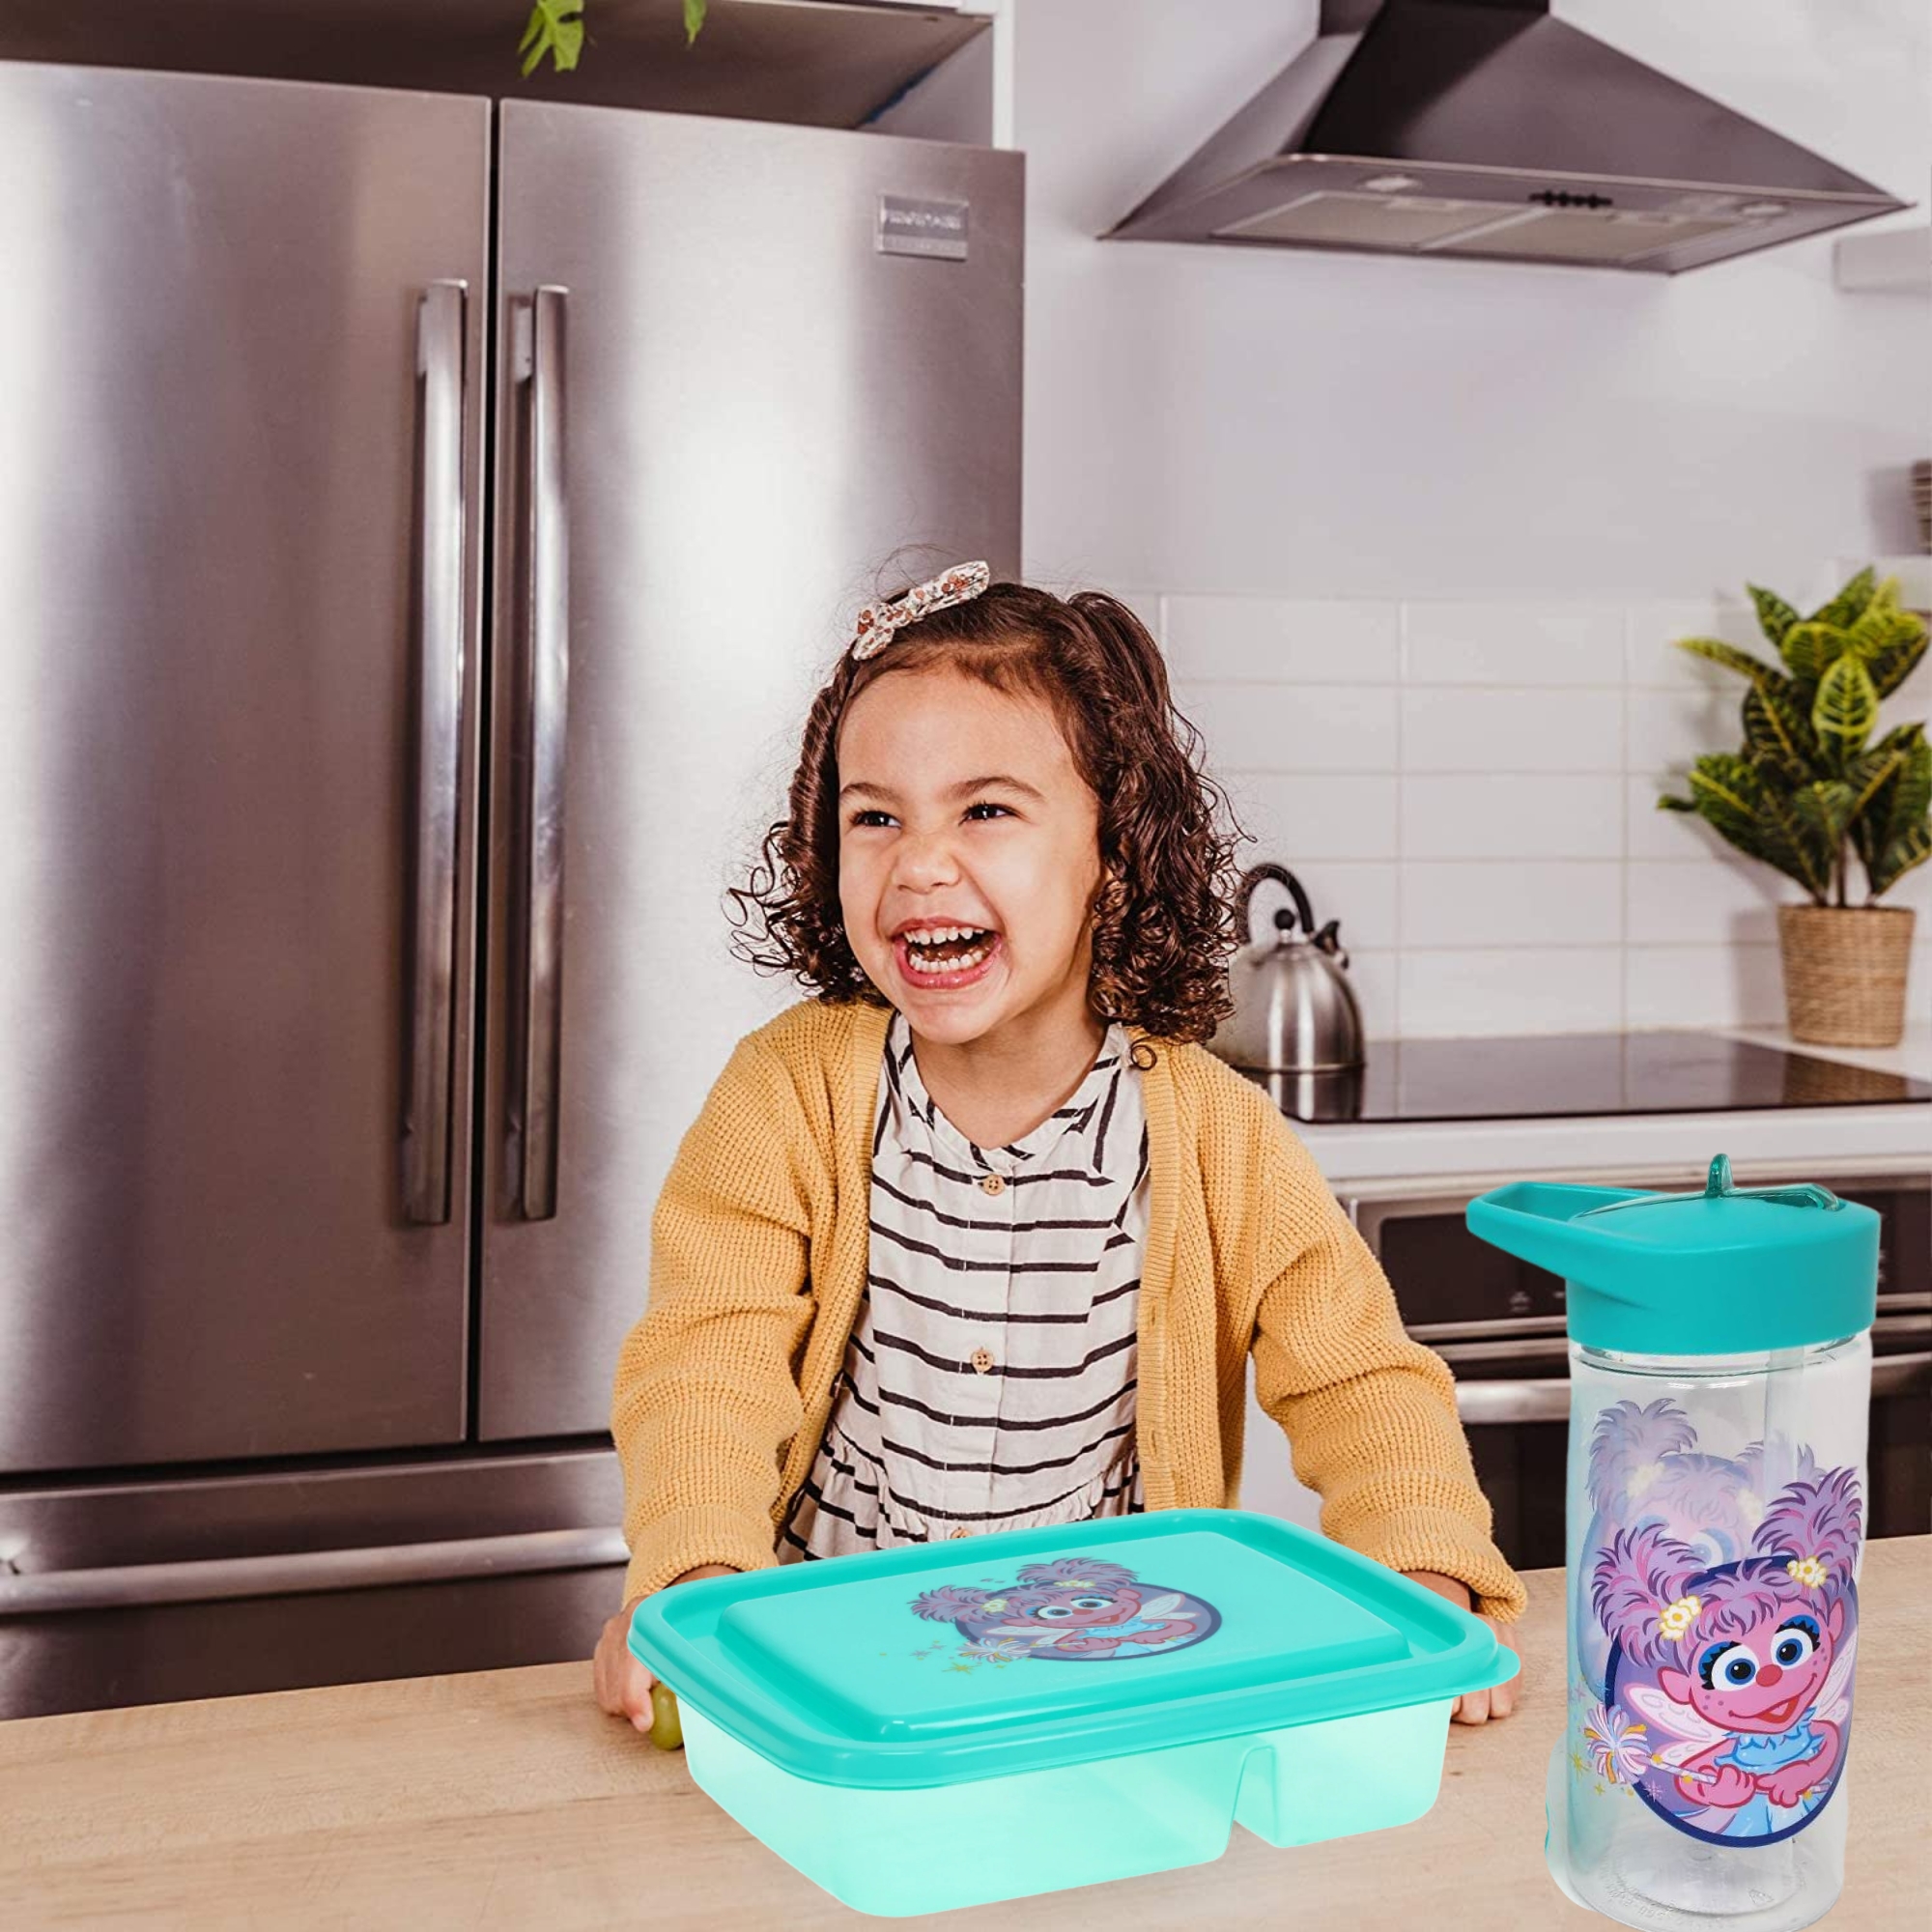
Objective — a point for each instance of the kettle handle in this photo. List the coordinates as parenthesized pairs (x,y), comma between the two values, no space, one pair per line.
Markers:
(1253,877)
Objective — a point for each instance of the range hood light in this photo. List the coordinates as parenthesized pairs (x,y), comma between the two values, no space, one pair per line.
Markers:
(1391,184)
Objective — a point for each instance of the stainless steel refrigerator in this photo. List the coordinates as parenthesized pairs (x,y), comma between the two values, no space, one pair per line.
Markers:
(422,524)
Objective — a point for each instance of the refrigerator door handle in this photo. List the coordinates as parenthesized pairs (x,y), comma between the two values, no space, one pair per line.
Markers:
(427,1098)
(547,574)
(305,1572)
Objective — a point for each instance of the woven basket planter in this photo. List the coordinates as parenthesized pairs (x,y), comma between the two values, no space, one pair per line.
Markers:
(1845,970)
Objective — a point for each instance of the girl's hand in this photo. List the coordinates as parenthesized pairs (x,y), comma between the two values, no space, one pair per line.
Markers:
(624,1684)
(1473,1707)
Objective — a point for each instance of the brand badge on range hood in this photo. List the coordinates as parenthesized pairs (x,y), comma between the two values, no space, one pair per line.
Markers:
(1487,129)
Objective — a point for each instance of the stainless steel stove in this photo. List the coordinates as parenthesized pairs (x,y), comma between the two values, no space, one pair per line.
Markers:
(1499,1321)
(1581,1075)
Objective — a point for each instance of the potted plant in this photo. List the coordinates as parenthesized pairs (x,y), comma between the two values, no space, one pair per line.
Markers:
(1810,788)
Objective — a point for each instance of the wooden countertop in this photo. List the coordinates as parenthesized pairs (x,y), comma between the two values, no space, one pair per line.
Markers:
(507,1799)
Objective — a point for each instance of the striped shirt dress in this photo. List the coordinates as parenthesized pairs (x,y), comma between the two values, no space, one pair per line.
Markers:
(988,1382)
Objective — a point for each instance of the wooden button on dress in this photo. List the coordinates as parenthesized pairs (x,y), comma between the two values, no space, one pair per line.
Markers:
(982,1360)
(994,1183)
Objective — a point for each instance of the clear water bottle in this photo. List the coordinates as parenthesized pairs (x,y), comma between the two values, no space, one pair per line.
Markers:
(1720,1380)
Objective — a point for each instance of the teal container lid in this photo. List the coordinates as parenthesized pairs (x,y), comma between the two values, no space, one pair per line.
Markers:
(1022,1650)
(1726,1272)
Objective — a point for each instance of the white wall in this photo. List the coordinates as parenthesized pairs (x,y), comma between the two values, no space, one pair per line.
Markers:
(1416,535)
(1313,425)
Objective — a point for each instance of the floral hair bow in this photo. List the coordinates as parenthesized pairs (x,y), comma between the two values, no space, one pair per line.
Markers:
(879,622)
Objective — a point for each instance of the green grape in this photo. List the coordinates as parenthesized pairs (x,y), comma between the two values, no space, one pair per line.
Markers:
(666,1732)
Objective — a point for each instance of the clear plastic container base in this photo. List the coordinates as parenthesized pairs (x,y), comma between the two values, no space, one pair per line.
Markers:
(894,1854)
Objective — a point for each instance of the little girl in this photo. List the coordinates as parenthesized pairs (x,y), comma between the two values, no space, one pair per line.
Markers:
(981,1236)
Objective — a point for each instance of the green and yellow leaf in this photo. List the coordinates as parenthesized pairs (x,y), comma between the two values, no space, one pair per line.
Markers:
(1775,616)
(1810,649)
(1910,794)
(1883,628)
(1849,605)
(1797,849)
(1731,658)
(1870,773)
(1825,809)
(1900,803)
(1890,641)
(1845,710)
(1889,668)
(1912,848)
(1778,734)
(1876,774)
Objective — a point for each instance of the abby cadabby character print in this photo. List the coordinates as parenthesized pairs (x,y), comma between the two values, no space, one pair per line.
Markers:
(1727,1697)
(1072,1610)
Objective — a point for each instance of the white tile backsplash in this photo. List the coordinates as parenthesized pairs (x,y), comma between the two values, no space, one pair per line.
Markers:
(1294,727)
(1375,978)
(1913,889)
(1513,989)
(1333,816)
(1282,642)
(1702,985)
(1725,900)
(1490,903)
(1513,644)
(1496,730)
(1670,727)
(1503,816)
(1470,788)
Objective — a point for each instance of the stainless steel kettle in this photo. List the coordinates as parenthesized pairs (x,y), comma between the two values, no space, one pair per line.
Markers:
(1295,1010)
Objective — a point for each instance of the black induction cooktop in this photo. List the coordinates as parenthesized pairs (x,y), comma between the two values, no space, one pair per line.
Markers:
(1579,1074)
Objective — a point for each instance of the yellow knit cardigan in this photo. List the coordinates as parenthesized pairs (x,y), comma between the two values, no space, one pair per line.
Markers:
(759,1244)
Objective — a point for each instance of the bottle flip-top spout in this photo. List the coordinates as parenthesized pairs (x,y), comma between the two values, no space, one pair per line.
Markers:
(1723,1271)
(1720,1184)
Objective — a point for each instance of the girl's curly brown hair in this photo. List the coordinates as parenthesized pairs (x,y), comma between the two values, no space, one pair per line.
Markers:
(1164,916)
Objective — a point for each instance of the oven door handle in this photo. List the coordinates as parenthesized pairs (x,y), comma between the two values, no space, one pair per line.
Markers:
(1902,1375)
(1546,1399)
(303,1571)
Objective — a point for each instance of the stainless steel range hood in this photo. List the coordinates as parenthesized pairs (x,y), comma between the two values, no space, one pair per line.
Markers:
(1487,129)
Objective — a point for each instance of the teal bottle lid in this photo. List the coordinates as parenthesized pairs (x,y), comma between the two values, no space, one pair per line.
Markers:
(1726,1271)
(1021,1650)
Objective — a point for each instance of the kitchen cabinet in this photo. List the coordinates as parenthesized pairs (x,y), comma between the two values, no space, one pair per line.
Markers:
(808,62)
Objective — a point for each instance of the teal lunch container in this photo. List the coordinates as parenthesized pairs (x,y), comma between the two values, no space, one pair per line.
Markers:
(959,1722)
